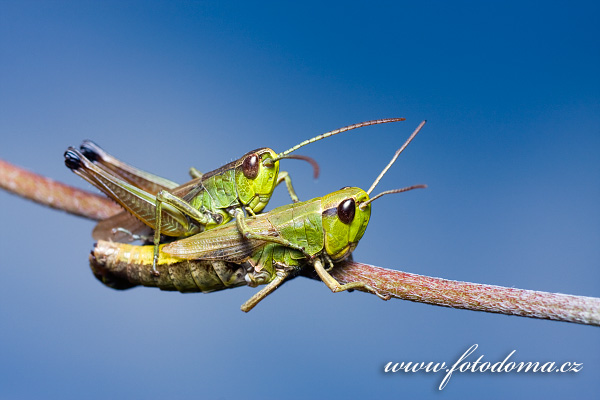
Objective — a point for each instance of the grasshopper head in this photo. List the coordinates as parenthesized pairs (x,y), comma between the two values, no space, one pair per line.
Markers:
(256,179)
(344,221)
(346,212)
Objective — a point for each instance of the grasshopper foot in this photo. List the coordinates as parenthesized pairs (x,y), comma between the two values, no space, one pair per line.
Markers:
(385,297)
(218,218)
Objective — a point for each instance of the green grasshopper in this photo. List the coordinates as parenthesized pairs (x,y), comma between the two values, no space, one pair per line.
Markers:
(279,243)
(207,201)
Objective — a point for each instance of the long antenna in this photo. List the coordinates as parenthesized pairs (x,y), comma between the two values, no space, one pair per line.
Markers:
(406,189)
(308,159)
(331,133)
(400,150)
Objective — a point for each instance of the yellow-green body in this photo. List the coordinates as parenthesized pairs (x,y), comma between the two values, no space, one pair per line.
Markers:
(312,226)
(207,201)
(221,258)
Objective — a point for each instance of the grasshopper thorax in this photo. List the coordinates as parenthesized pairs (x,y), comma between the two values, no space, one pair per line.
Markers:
(344,222)
(255,179)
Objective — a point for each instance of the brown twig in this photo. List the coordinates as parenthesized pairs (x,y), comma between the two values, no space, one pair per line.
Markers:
(54,194)
(401,285)
(472,296)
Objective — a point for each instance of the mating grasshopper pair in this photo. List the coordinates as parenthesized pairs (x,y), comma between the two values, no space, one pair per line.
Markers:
(272,246)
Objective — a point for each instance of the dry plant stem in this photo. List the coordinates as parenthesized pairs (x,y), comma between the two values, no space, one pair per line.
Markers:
(55,194)
(472,296)
(401,285)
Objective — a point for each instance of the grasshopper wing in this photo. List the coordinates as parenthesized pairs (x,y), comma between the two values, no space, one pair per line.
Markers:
(221,243)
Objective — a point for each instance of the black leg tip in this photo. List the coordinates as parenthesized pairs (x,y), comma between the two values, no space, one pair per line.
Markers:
(72,159)
(90,150)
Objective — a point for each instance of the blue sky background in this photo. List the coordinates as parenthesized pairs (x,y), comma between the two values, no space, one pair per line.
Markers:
(511,92)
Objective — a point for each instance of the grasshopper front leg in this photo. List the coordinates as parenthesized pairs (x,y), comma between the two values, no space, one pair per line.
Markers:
(335,286)
(285,176)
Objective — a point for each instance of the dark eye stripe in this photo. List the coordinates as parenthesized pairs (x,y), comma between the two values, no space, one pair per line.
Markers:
(329,212)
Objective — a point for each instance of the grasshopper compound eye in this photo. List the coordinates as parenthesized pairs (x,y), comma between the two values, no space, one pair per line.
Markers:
(250,166)
(346,210)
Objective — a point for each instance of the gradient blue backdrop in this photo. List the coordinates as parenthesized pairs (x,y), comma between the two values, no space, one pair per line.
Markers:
(511,91)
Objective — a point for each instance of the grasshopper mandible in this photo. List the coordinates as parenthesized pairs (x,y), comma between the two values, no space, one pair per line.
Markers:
(209,200)
(277,244)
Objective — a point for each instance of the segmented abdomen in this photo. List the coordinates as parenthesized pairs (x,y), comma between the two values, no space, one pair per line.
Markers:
(122,266)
